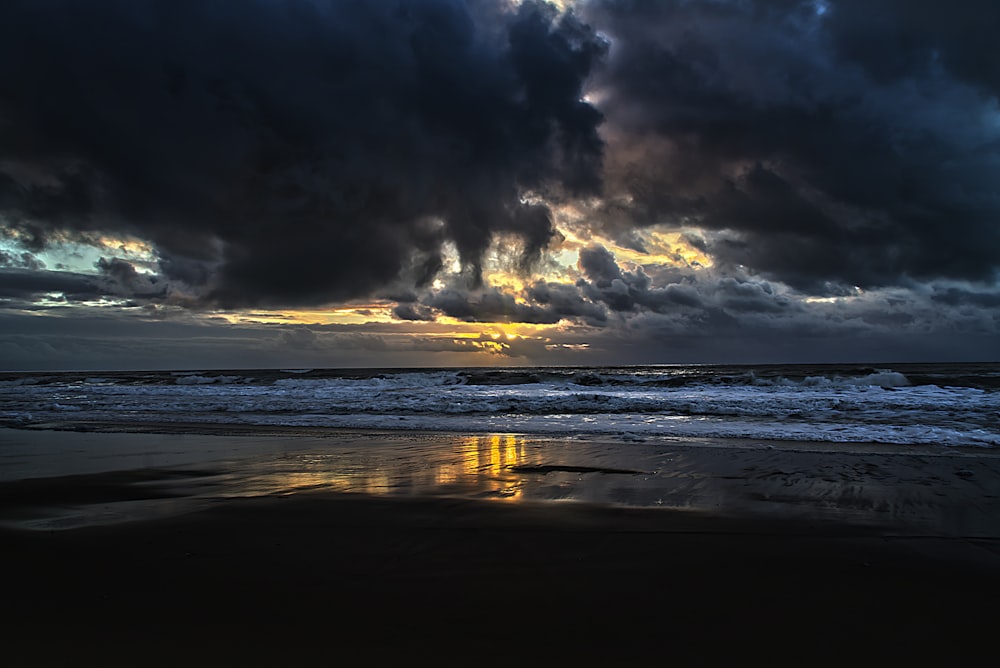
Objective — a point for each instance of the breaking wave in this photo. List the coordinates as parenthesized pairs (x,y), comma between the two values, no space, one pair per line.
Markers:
(954,405)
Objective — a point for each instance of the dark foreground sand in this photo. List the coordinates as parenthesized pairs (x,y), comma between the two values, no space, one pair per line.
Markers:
(329,578)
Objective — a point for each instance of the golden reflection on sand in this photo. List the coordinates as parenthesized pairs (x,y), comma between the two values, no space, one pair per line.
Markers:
(320,479)
(100,478)
(493,453)
(480,465)
(489,461)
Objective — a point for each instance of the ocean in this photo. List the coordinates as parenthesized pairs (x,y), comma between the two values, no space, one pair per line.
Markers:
(921,404)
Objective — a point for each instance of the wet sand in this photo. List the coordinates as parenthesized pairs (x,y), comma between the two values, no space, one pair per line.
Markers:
(463,551)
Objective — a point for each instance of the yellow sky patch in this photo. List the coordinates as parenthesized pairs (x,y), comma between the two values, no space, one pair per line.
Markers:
(352,314)
(663,248)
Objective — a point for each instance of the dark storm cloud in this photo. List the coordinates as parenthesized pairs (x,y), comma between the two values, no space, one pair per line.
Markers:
(566,302)
(299,151)
(627,290)
(953,296)
(488,305)
(844,141)
(117,279)
(413,312)
(750,296)
(126,281)
(892,39)
(603,288)
(27,285)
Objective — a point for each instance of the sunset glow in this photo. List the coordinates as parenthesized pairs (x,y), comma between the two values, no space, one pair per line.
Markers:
(535,183)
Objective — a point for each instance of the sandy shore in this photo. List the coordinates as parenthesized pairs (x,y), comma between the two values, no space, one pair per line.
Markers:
(463,551)
(86,473)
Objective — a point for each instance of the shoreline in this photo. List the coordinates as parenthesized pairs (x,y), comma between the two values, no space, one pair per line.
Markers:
(57,479)
(295,431)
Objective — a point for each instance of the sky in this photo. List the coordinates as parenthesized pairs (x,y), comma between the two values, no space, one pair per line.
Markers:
(339,183)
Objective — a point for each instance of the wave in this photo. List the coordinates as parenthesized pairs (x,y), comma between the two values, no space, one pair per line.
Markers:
(980,376)
(625,427)
(211,380)
(781,402)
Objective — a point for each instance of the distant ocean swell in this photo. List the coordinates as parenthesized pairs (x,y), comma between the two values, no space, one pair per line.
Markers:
(949,405)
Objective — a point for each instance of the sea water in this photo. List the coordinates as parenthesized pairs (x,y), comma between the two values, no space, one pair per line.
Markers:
(939,404)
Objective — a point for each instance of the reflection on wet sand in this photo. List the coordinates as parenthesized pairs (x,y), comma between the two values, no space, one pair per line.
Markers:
(52,479)
(858,486)
(480,466)
(489,461)
(506,467)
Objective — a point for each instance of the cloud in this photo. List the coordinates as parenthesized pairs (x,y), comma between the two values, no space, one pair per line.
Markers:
(294,152)
(859,145)
(892,39)
(834,164)
(566,302)
(412,312)
(627,290)
(958,296)
(634,309)
(487,305)
(23,284)
(23,260)
(750,296)
(125,280)
(299,337)
(117,279)
(309,152)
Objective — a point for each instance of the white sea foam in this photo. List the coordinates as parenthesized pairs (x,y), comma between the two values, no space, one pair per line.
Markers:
(874,406)
(877,379)
(883,379)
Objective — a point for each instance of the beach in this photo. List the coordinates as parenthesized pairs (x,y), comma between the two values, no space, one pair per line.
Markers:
(499,333)
(185,545)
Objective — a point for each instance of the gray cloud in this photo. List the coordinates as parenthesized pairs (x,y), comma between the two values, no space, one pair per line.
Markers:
(565,302)
(955,296)
(125,280)
(857,146)
(23,284)
(295,152)
(487,305)
(413,312)
(283,155)
(23,260)
(748,295)
(628,290)
(309,152)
